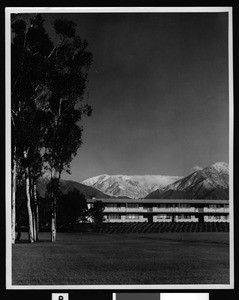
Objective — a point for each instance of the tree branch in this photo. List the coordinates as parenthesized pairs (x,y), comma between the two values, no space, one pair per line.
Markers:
(51,53)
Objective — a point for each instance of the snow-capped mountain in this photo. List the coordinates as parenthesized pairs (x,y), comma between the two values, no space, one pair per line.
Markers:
(132,186)
(211,182)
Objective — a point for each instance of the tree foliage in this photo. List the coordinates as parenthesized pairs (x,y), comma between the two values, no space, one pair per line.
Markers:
(96,212)
(48,80)
(71,209)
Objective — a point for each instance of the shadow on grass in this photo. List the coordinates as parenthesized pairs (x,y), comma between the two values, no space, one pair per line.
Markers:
(27,242)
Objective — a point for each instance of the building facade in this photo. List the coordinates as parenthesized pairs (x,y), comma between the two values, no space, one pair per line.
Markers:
(164,210)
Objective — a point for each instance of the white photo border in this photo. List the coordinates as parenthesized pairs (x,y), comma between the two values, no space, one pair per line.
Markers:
(8,12)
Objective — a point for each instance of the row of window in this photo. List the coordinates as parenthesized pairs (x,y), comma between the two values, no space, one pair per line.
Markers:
(185,217)
(135,205)
(218,205)
(128,216)
(132,216)
(115,205)
(218,217)
(114,216)
(165,216)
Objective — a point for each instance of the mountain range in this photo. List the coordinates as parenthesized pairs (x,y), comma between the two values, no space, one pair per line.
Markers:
(131,186)
(211,182)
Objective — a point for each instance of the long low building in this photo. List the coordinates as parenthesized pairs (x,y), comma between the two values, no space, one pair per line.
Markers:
(163,210)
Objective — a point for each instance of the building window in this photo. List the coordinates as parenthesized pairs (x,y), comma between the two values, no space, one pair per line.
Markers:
(217,217)
(132,216)
(163,216)
(114,216)
(185,217)
(148,208)
(132,205)
(212,206)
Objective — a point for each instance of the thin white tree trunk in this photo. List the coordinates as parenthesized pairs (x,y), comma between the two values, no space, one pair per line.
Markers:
(34,226)
(53,223)
(33,208)
(53,209)
(54,175)
(54,205)
(36,211)
(13,198)
(29,209)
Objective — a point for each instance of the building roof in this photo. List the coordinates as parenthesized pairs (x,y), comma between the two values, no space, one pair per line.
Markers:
(156,201)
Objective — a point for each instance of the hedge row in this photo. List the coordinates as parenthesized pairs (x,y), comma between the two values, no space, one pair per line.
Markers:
(164,227)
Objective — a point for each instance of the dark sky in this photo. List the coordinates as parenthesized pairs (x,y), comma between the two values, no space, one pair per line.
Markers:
(159,91)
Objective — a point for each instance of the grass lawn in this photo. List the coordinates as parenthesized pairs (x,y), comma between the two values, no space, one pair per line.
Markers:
(157,258)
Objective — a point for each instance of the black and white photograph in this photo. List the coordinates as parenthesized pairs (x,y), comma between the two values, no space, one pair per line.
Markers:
(119,148)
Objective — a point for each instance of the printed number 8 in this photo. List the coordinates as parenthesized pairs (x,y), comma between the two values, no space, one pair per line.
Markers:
(60,298)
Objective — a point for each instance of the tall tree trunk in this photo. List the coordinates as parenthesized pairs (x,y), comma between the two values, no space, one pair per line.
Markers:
(29,209)
(53,221)
(55,189)
(53,207)
(36,210)
(34,226)
(13,198)
(33,208)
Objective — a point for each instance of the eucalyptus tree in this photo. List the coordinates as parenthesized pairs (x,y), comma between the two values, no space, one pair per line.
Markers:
(30,49)
(71,63)
(48,80)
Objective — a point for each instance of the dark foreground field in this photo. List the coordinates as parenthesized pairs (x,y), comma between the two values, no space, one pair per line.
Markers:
(93,259)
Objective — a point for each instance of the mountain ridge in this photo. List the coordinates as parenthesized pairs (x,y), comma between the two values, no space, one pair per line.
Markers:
(212,182)
(131,186)
(67,186)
